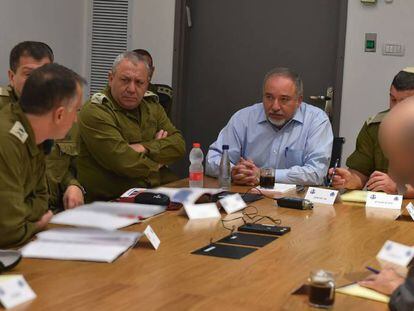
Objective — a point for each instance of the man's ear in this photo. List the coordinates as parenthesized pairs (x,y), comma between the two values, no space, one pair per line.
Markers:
(300,100)
(11,75)
(58,114)
(110,77)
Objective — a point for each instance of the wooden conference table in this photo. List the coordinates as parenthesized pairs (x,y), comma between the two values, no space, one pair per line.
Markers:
(343,239)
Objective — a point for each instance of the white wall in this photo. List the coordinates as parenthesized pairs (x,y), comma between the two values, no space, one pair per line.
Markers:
(367,76)
(59,23)
(152,28)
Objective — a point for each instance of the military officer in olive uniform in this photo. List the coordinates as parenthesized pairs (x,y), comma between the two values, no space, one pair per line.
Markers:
(48,107)
(367,165)
(126,139)
(163,91)
(64,189)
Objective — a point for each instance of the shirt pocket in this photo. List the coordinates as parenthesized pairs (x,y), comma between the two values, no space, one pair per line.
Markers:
(294,157)
(59,160)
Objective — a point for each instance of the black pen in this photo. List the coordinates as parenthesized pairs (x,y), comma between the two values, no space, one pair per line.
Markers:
(372,270)
(333,173)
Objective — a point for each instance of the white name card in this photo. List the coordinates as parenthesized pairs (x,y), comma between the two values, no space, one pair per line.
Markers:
(322,196)
(396,256)
(14,290)
(202,211)
(152,237)
(383,200)
(233,203)
(410,209)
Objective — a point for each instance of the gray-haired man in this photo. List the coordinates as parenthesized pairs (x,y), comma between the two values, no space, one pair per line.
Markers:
(126,139)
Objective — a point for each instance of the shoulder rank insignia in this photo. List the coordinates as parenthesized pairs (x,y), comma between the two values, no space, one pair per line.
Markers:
(377,118)
(149,95)
(98,98)
(165,89)
(19,131)
(4,91)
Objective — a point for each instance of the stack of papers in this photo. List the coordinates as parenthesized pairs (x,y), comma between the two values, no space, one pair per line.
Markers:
(80,244)
(107,215)
(186,195)
(279,188)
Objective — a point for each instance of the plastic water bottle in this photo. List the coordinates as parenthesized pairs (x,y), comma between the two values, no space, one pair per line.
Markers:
(196,178)
(225,169)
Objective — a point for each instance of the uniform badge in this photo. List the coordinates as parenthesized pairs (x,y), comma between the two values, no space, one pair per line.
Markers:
(19,131)
(98,98)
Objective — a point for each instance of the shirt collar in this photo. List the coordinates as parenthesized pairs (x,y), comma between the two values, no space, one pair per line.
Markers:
(298,116)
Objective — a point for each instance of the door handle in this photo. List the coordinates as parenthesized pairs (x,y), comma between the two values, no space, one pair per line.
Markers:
(188,14)
(328,98)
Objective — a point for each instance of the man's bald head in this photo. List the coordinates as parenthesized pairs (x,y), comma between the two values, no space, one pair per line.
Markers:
(396,136)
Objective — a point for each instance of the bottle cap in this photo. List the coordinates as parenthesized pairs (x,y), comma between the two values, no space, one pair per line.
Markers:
(196,145)
(225,147)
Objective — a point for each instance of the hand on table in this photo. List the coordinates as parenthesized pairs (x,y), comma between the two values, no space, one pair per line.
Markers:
(73,197)
(245,172)
(379,181)
(386,282)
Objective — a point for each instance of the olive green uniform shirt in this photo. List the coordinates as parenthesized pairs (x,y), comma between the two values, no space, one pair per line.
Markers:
(368,156)
(60,163)
(23,190)
(107,165)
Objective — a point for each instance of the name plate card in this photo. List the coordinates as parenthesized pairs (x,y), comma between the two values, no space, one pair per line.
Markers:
(321,196)
(233,203)
(383,200)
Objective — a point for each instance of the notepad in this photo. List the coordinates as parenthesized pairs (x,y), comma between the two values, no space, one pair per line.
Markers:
(85,244)
(358,196)
(359,291)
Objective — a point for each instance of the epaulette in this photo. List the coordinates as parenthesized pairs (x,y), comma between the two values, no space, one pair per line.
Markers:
(4,91)
(151,95)
(165,90)
(377,118)
(98,98)
(19,131)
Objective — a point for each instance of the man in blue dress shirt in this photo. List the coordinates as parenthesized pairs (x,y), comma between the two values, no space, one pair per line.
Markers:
(283,132)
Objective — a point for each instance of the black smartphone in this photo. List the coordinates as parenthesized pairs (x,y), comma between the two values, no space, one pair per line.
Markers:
(265,229)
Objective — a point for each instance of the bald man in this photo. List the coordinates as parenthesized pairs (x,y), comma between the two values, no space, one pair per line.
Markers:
(396,136)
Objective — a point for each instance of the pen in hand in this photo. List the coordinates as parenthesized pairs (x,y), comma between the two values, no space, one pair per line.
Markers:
(373,270)
(333,173)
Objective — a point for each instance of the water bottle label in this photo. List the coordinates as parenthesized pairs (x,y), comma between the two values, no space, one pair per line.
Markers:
(196,176)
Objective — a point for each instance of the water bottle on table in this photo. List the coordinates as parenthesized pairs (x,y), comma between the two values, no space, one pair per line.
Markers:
(225,169)
(196,170)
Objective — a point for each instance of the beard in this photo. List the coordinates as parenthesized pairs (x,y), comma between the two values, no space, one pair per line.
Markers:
(278,123)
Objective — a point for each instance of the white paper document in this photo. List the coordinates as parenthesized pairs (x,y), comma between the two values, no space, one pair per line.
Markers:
(279,188)
(202,211)
(80,244)
(88,218)
(233,203)
(107,215)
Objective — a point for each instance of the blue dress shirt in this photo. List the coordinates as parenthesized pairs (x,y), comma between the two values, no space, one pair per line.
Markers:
(300,151)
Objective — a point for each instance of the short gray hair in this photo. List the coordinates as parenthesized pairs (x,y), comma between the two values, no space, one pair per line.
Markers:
(287,73)
(132,57)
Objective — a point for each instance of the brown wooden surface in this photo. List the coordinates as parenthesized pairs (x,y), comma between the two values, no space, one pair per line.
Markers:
(343,239)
